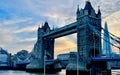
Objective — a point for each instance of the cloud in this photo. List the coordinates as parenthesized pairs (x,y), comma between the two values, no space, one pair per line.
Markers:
(15,21)
(5,38)
(28,40)
(26,29)
(113,23)
(109,6)
(20,44)
(11,40)
(64,45)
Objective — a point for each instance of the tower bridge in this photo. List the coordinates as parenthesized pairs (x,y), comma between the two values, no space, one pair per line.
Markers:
(88,29)
(63,31)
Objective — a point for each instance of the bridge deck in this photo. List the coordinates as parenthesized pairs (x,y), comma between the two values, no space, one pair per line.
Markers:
(66,30)
(106,59)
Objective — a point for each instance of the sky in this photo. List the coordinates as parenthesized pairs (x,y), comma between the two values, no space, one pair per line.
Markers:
(19,20)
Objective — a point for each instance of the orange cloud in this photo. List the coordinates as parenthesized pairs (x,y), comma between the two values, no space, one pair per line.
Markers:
(64,45)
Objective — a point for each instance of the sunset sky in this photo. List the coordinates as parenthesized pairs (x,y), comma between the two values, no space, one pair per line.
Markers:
(19,20)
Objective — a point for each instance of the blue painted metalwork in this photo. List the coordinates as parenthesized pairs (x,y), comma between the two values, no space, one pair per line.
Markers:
(105,59)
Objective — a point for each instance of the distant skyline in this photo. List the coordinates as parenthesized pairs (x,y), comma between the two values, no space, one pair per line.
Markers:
(19,20)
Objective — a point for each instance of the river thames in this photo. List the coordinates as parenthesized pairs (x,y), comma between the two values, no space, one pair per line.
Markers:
(11,72)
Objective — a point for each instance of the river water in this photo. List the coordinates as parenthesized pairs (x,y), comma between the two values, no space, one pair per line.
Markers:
(11,72)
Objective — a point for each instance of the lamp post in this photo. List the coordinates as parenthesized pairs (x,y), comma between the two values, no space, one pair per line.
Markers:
(77,63)
(44,62)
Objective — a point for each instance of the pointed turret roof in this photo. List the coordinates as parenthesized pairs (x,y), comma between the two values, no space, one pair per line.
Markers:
(99,12)
(88,7)
(78,9)
(46,25)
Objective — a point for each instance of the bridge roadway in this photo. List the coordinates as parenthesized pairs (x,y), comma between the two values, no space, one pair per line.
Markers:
(66,30)
(106,59)
(97,59)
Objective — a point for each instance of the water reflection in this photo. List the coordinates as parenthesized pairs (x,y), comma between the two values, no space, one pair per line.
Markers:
(11,72)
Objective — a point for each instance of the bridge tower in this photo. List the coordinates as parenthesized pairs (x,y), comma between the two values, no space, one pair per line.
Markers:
(42,46)
(48,43)
(88,42)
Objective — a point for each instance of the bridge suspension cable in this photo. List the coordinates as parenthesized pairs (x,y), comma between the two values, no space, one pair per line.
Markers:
(112,36)
(111,33)
(109,42)
(99,34)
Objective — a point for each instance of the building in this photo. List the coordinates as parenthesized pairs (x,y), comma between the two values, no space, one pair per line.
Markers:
(63,59)
(4,59)
(21,59)
(106,42)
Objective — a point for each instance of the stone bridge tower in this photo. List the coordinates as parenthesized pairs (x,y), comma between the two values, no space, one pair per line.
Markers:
(88,42)
(46,44)
(44,47)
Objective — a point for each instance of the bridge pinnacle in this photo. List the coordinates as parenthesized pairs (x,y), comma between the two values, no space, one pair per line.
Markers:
(78,9)
(99,12)
(88,0)
(78,6)
(38,25)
